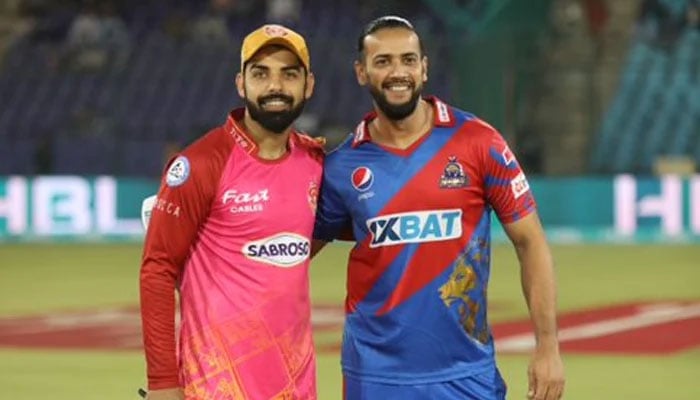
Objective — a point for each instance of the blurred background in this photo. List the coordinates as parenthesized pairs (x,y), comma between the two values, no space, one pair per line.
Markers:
(600,100)
(577,86)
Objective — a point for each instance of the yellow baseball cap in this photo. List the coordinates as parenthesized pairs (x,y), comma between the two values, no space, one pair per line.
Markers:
(275,34)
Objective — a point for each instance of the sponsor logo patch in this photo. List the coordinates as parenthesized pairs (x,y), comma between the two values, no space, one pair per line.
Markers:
(167,207)
(362,179)
(245,202)
(519,185)
(283,250)
(443,113)
(508,156)
(178,172)
(415,227)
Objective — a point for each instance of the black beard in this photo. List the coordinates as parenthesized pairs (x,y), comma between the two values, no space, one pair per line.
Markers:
(395,112)
(274,121)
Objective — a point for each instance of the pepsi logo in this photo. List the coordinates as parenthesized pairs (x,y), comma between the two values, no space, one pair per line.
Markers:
(362,178)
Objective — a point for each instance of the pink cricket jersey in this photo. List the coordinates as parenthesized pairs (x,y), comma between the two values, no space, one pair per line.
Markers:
(232,232)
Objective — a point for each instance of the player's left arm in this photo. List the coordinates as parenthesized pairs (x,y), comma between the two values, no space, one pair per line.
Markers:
(508,192)
(546,369)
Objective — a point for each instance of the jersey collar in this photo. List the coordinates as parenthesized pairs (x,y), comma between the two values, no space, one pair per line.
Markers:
(443,118)
(235,128)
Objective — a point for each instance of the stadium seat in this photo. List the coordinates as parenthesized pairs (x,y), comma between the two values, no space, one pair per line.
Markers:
(18,157)
(170,88)
(656,110)
(85,156)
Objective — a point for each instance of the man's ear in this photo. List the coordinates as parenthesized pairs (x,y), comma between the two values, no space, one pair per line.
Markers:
(425,68)
(360,73)
(240,87)
(310,83)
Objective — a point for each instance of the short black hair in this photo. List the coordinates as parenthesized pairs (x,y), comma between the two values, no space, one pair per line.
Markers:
(385,22)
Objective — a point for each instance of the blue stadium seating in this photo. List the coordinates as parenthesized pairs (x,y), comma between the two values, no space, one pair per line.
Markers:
(656,111)
(171,89)
(18,157)
(90,156)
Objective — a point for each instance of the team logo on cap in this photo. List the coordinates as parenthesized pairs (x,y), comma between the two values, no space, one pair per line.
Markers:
(362,178)
(275,30)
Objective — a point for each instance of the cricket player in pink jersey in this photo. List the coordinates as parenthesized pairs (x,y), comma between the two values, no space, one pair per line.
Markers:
(230,232)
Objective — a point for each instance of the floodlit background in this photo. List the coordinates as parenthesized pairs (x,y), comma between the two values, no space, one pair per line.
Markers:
(600,100)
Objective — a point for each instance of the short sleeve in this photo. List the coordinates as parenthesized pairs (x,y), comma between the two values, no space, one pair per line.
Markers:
(332,217)
(505,185)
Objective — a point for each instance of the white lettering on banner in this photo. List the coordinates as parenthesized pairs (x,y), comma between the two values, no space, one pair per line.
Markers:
(13,207)
(106,209)
(695,204)
(667,205)
(61,205)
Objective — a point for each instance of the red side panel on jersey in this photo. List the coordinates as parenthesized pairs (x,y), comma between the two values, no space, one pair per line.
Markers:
(184,198)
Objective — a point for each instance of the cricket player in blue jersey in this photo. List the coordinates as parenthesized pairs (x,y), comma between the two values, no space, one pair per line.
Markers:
(416,183)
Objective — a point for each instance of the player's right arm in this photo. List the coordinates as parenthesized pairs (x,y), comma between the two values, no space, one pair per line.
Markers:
(181,206)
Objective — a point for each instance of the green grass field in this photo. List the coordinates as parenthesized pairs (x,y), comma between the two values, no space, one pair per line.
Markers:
(37,278)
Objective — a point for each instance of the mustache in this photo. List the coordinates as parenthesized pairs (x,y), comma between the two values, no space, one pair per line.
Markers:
(275,97)
(400,81)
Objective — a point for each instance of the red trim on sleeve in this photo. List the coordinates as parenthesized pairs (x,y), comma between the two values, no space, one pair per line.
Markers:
(506,188)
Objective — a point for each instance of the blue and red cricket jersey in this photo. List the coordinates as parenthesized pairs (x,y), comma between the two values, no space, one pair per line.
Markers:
(417,276)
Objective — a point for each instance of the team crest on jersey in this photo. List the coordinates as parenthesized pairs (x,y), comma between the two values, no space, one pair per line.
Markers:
(313,196)
(453,175)
(178,172)
(362,179)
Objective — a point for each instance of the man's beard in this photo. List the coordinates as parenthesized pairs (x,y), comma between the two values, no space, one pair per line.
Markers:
(395,112)
(274,121)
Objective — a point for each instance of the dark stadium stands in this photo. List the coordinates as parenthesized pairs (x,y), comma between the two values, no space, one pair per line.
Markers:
(171,89)
(656,111)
